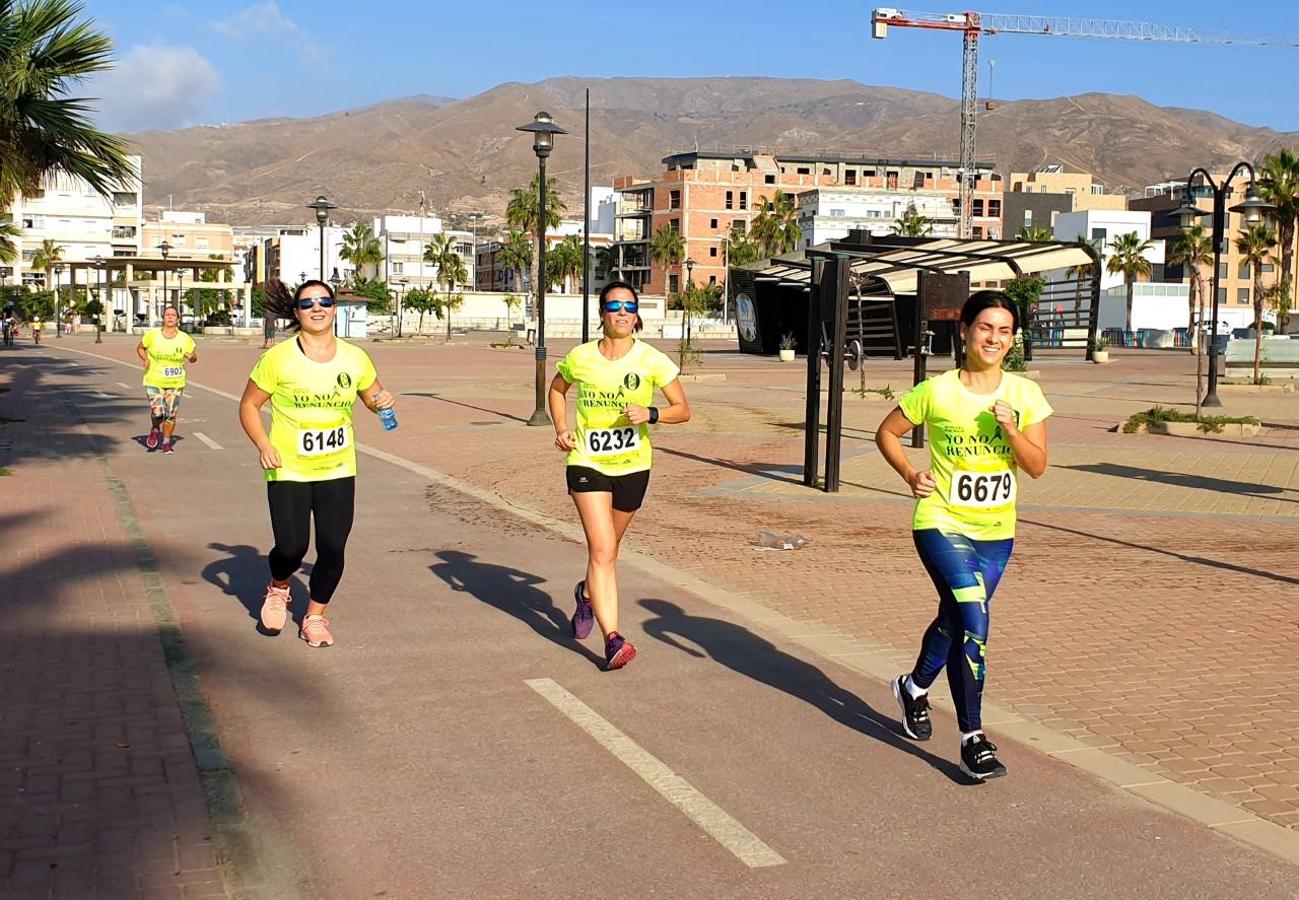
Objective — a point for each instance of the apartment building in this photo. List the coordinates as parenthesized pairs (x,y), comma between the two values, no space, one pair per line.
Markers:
(1086,192)
(495,275)
(829,214)
(188,234)
(710,196)
(83,223)
(1103,226)
(1235,278)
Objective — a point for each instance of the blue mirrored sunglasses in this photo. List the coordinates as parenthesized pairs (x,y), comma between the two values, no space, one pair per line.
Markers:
(308,302)
(621,306)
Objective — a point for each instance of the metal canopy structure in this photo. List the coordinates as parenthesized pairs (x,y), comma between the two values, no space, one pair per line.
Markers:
(891,266)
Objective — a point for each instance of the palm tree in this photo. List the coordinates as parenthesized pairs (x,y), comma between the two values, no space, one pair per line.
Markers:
(9,233)
(516,252)
(775,227)
(44,53)
(46,258)
(1279,185)
(913,224)
(668,248)
(743,250)
(1127,259)
(1255,245)
(522,209)
(564,261)
(363,250)
(451,270)
(1034,235)
(1193,248)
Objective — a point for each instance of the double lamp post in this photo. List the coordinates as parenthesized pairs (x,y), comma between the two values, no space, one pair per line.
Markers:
(1253,209)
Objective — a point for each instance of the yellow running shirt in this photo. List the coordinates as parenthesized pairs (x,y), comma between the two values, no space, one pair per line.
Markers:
(311,409)
(166,358)
(974,468)
(606,441)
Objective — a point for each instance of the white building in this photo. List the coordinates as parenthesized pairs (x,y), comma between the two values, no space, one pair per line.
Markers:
(604,210)
(79,220)
(828,214)
(293,255)
(1105,225)
(404,240)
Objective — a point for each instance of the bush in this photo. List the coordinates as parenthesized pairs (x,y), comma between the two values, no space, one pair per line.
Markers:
(1208,424)
(218,319)
(1014,361)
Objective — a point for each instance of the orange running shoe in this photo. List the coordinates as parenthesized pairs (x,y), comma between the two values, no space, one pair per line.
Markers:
(275,608)
(315,631)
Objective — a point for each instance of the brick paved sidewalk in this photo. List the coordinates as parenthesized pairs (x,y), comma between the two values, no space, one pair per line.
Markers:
(99,793)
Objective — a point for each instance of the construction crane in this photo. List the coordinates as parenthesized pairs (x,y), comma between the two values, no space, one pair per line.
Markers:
(973,26)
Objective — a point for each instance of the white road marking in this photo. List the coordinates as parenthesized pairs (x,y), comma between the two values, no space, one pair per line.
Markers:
(212,445)
(744,844)
(127,386)
(105,396)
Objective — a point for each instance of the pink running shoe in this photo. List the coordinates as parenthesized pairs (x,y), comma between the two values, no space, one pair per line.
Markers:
(275,608)
(155,435)
(315,631)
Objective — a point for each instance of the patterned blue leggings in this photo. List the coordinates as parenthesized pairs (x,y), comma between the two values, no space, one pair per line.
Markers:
(966,573)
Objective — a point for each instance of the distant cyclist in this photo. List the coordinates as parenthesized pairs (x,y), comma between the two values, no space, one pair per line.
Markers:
(985,426)
(609,454)
(165,352)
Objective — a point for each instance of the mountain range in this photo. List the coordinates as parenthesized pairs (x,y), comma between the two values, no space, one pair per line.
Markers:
(465,154)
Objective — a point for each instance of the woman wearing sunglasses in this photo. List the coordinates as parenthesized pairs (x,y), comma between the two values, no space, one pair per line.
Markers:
(609,452)
(312,383)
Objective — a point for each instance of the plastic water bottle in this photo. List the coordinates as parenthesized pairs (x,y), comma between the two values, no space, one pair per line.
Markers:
(768,540)
(389,419)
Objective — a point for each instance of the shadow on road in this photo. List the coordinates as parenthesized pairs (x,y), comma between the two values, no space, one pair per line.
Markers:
(511,591)
(482,409)
(772,471)
(743,652)
(1179,479)
(243,574)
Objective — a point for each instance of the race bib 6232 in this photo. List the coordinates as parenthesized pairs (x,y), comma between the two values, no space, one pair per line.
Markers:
(612,441)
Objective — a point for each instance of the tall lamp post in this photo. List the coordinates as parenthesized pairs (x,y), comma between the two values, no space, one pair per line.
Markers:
(58,320)
(543,130)
(99,319)
(164,248)
(401,295)
(180,297)
(322,208)
(1253,210)
(690,284)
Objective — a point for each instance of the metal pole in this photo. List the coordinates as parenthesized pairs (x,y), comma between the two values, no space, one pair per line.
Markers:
(1219,236)
(322,249)
(812,416)
(539,415)
(586,227)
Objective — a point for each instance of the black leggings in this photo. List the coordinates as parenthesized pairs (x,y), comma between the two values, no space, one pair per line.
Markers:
(293,503)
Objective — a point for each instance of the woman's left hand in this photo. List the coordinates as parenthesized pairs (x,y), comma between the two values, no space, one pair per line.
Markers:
(1005,416)
(382,400)
(637,415)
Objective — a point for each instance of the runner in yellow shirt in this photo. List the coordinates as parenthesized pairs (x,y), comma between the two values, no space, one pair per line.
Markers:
(985,427)
(309,457)
(165,352)
(609,451)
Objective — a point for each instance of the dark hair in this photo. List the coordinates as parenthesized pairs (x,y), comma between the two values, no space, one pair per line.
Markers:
(284,305)
(170,308)
(981,300)
(625,286)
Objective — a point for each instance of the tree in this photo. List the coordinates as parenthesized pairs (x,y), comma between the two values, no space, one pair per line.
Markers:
(1255,244)
(743,250)
(44,53)
(512,304)
(1025,291)
(564,261)
(1127,259)
(46,258)
(913,224)
(521,212)
(775,227)
(376,291)
(208,301)
(441,252)
(1034,235)
(1192,248)
(420,300)
(1279,185)
(8,249)
(606,261)
(363,250)
(445,304)
(516,252)
(667,247)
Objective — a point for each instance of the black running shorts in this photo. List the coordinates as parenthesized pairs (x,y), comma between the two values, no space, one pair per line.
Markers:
(628,490)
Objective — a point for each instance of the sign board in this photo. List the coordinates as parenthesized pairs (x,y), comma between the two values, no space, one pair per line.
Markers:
(941,295)
(746,317)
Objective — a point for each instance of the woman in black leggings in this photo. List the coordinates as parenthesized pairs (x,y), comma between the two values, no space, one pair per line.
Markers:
(309,457)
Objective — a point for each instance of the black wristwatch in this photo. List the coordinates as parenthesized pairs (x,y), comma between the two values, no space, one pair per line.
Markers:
(654,416)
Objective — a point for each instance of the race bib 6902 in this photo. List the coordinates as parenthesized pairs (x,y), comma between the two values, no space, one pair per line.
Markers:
(173,371)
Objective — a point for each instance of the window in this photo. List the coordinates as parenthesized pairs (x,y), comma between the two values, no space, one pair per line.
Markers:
(674,284)
(712,251)
(978,206)
(978,232)
(994,209)
(1242,295)
(1098,189)
(674,200)
(804,170)
(200,243)
(918,180)
(1244,270)
(1099,234)
(1222,295)
(712,279)
(738,226)
(769,179)
(1071,191)
(836,212)
(730,199)
(674,224)
(1222,274)
(712,223)
(850,176)
(1028,218)
(744,199)
(397,268)
(1267,268)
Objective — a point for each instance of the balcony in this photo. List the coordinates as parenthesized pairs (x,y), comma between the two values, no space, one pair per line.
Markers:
(124,232)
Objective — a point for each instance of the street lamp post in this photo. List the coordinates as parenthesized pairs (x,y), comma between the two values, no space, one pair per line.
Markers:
(1253,210)
(164,248)
(99,292)
(690,286)
(322,208)
(401,296)
(58,320)
(543,130)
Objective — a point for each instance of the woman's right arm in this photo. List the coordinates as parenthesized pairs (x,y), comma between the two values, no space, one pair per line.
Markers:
(888,437)
(557,403)
(142,352)
(250,417)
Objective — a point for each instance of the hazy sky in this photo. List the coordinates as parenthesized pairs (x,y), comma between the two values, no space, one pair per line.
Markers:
(186,63)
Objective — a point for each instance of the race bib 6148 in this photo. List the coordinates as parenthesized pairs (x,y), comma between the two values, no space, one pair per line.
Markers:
(314,442)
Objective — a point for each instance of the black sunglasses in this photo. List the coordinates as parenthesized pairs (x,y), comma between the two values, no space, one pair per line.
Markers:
(307,302)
